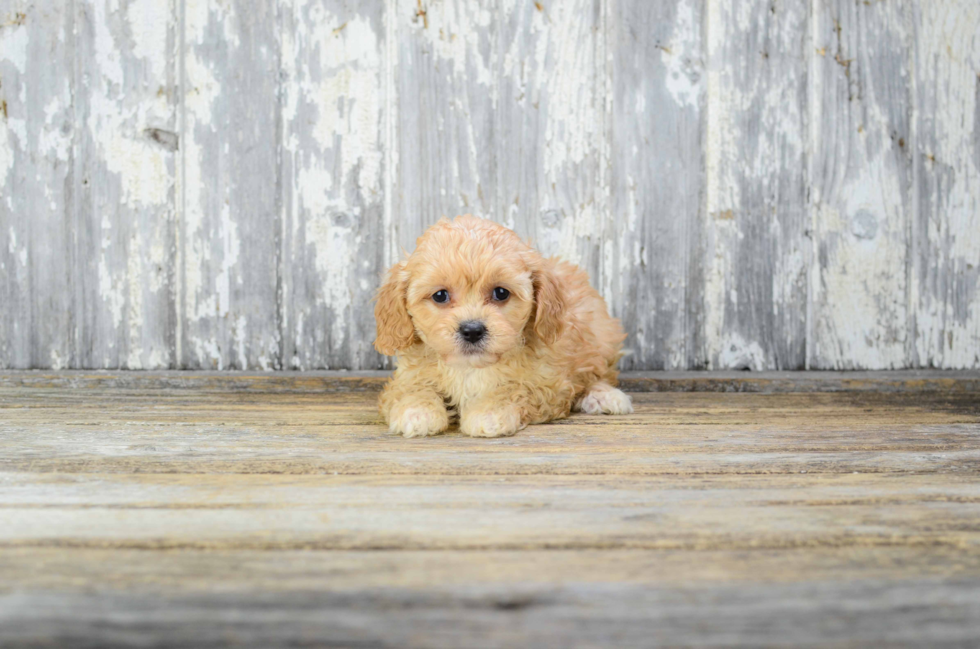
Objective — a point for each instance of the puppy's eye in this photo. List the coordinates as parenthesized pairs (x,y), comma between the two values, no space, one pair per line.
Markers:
(500,294)
(441,296)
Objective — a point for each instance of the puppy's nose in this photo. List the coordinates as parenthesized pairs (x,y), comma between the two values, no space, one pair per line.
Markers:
(472,331)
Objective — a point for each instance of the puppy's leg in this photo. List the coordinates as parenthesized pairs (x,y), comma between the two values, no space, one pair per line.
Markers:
(491,417)
(412,411)
(602,398)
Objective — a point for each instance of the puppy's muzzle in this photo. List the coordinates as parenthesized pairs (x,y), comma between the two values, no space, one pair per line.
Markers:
(472,331)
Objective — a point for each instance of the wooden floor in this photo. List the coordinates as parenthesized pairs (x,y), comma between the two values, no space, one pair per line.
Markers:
(161,510)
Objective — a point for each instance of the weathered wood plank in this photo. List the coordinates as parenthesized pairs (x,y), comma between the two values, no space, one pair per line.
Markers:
(74,570)
(548,135)
(444,82)
(933,613)
(49,430)
(755,261)
(228,243)
(37,325)
(860,184)
(124,175)
(945,276)
(652,272)
(156,512)
(333,190)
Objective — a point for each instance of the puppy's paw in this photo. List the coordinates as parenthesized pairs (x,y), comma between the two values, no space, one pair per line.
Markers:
(418,421)
(602,399)
(496,422)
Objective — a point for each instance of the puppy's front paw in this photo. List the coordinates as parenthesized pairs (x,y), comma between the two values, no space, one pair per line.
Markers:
(603,399)
(418,421)
(496,422)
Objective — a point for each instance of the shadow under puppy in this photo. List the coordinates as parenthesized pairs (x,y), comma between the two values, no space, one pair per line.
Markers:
(488,330)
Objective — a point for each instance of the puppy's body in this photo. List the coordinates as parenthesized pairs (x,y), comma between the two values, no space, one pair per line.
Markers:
(549,346)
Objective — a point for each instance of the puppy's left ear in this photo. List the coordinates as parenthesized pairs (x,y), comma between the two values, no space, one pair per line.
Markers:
(395,328)
(549,303)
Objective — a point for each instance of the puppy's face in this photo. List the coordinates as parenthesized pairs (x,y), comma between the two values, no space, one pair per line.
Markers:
(469,301)
(469,292)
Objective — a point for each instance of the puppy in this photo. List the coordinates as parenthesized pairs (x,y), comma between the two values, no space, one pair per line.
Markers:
(488,331)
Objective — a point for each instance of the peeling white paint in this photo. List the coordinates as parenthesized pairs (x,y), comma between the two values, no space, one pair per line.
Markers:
(340,82)
(859,300)
(333,253)
(754,157)
(202,90)
(147,24)
(453,31)
(110,286)
(349,99)
(134,316)
(6,155)
(126,176)
(682,58)
(19,255)
(572,120)
(549,79)
(14,40)
(947,311)
(734,352)
(230,244)
(57,362)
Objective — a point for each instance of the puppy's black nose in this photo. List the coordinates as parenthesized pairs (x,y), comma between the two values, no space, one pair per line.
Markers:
(472,331)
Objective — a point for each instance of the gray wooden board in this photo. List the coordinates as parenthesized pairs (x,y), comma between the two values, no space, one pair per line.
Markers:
(945,275)
(228,231)
(755,265)
(860,185)
(652,272)
(548,128)
(123,184)
(934,613)
(771,184)
(37,128)
(442,161)
(333,239)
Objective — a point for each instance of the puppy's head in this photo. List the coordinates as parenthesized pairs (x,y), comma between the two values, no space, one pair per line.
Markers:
(472,291)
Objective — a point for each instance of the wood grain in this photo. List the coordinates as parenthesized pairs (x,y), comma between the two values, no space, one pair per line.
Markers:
(860,185)
(133,514)
(124,177)
(37,324)
(228,227)
(333,242)
(945,276)
(443,106)
(652,275)
(548,134)
(755,262)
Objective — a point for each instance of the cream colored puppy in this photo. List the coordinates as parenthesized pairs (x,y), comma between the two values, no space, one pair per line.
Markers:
(488,331)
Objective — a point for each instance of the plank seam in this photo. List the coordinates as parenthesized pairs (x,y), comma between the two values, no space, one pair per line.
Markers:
(181,191)
(912,215)
(279,225)
(72,208)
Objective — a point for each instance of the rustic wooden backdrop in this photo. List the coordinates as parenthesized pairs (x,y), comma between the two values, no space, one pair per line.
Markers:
(757,184)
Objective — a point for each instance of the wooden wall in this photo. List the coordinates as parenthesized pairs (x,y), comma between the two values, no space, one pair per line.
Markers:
(764,184)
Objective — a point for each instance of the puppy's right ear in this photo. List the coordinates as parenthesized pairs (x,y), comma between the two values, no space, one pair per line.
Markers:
(395,328)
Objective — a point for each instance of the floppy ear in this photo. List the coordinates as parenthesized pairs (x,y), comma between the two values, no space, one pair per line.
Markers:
(549,304)
(395,328)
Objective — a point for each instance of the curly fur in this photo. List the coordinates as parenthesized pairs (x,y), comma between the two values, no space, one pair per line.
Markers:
(551,347)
